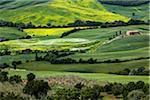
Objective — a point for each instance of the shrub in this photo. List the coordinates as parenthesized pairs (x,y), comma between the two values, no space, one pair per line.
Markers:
(135,95)
(15,78)
(79,85)
(117,89)
(37,88)
(130,86)
(3,76)
(10,96)
(67,94)
(139,84)
(146,89)
(108,88)
(90,93)
(30,77)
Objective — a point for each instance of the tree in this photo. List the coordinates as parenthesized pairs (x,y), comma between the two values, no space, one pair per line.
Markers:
(117,89)
(30,77)
(89,93)
(135,95)
(37,88)
(15,78)
(3,76)
(14,64)
(139,85)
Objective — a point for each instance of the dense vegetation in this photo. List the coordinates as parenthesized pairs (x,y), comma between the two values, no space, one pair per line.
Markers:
(35,88)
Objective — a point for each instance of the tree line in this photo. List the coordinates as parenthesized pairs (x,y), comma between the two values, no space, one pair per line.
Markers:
(77,23)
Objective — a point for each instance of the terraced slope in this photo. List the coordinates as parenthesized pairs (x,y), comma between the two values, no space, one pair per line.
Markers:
(56,12)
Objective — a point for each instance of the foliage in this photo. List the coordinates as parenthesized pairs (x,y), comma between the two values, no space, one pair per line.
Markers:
(117,89)
(15,78)
(10,96)
(30,77)
(3,76)
(37,88)
(135,95)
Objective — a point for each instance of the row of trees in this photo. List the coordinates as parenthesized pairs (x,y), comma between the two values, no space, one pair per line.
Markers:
(136,71)
(40,88)
(77,23)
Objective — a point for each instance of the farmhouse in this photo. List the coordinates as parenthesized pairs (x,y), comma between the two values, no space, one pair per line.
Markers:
(133,32)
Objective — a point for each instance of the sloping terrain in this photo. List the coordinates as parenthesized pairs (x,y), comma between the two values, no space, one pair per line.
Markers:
(56,12)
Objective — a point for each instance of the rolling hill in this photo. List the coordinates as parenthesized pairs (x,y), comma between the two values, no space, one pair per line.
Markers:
(56,12)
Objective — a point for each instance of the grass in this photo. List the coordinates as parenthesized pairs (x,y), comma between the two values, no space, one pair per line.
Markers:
(57,12)
(141,11)
(11,33)
(106,33)
(94,76)
(91,68)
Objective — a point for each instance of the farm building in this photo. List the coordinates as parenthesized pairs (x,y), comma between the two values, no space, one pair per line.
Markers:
(133,32)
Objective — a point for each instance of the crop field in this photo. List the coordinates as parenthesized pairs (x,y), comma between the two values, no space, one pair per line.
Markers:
(11,33)
(94,76)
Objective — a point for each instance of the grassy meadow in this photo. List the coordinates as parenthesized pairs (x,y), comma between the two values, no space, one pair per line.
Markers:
(93,76)
(11,33)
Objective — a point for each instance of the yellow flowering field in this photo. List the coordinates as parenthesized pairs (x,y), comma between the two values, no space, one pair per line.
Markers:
(49,31)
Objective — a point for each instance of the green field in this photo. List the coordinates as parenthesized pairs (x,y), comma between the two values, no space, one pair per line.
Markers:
(141,11)
(56,12)
(103,67)
(11,33)
(94,76)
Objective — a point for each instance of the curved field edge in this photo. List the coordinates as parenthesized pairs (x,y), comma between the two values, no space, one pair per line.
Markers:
(100,77)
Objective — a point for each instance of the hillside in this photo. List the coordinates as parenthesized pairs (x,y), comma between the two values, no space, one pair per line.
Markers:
(56,12)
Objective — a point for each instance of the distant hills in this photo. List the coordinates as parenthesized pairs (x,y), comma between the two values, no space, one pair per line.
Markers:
(56,12)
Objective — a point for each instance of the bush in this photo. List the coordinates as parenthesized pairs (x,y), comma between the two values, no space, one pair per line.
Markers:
(108,88)
(79,85)
(135,95)
(10,96)
(146,89)
(139,84)
(117,89)
(90,93)
(67,94)
(15,78)
(3,76)
(37,88)
(30,77)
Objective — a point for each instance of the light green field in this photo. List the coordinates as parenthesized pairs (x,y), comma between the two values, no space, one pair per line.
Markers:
(94,76)
(106,33)
(103,67)
(11,33)
(57,12)
(50,44)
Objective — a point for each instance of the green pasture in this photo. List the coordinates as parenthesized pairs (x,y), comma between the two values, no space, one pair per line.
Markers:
(85,68)
(11,33)
(141,11)
(94,76)
(106,33)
